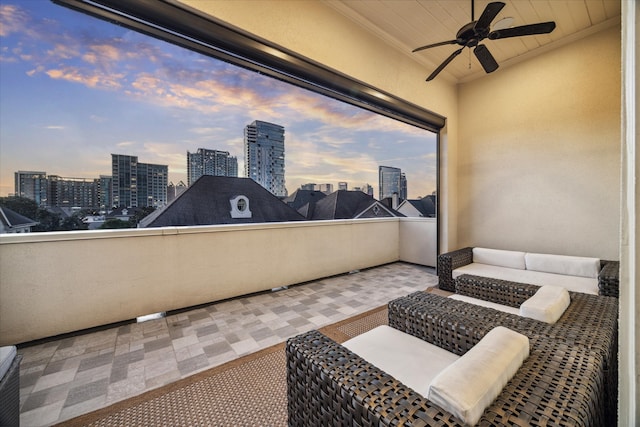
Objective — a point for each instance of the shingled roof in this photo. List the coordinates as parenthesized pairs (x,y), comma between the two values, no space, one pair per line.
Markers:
(426,206)
(301,197)
(304,201)
(344,204)
(209,201)
(13,221)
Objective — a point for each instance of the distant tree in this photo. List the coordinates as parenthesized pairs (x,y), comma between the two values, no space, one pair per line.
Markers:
(115,223)
(27,207)
(21,205)
(74,222)
(88,211)
(140,214)
(48,221)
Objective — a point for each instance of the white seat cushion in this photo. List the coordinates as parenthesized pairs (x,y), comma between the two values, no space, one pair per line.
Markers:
(498,257)
(408,359)
(468,386)
(546,305)
(572,283)
(562,264)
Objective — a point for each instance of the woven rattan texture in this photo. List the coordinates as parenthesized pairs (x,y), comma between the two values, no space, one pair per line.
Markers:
(499,291)
(10,395)
(450,261)
(609,279)
(589,323)
(329,385)
(558,384)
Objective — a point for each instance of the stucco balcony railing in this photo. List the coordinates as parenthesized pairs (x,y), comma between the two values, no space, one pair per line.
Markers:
(53,283)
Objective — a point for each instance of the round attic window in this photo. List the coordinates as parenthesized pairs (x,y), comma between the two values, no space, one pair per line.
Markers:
(240,207)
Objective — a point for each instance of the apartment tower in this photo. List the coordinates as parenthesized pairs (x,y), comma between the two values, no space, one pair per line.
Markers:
(210,162)
(391,180)
(32,185)
(264,156)
(138,184)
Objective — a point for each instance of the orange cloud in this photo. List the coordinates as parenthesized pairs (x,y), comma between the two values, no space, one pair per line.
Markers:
(93,80)
(12,18)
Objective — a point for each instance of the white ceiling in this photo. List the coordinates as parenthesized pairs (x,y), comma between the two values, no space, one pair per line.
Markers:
(408,24)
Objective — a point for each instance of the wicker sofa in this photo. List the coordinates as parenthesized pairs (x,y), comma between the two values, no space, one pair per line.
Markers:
(558,384)
(514,266)
(590,322)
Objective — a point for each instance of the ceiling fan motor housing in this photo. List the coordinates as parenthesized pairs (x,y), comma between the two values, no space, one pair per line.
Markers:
(470,36)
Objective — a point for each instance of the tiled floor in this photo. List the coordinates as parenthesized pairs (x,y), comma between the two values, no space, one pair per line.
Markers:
(65,378)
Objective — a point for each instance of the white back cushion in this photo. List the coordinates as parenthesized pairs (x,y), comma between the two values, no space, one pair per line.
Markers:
(469,385)
(563,264)
(546,305)
(510,259)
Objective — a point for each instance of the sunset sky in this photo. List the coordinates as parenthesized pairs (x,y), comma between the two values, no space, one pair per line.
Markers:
(74,89)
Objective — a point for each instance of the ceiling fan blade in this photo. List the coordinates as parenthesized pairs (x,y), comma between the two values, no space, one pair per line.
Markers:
(524,30)
(434,45)
(444,64)
(488,14)
(486,59)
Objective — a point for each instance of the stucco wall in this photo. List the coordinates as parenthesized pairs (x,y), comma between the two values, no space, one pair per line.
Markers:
(52,283)
(539,155)
(418,241)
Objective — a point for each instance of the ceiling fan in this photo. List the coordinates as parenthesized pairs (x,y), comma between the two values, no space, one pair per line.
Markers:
(471,34)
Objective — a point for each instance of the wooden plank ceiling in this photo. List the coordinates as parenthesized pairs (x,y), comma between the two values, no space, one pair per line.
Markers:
(408,24)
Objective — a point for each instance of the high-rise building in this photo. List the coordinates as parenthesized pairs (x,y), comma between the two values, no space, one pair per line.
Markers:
(72,192)
(138,184)
(124,172)
(32,185)
(391,180)
(210,162)
(232,166)
(264,156)
(175,190)
(368,189)
(152,185)
(54,191)
(310,186)
(104,192)
(326,188)
(342,185)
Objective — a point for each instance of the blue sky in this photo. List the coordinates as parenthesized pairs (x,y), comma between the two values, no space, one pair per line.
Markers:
(74,89)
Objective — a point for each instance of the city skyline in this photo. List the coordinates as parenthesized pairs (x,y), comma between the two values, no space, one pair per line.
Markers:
(76,89)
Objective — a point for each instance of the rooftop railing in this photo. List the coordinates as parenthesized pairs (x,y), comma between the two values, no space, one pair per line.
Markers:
(54,283)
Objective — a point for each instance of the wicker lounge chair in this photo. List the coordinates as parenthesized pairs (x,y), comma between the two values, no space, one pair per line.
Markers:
(558,384)
(608,277)
(10,393)
(590,322)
